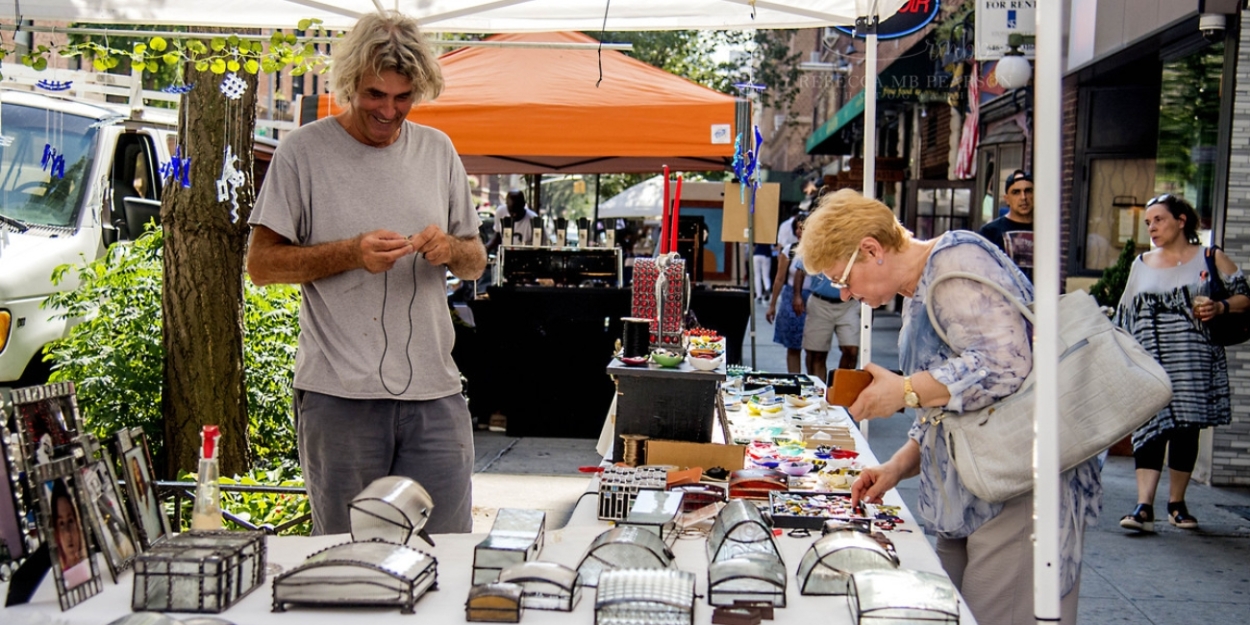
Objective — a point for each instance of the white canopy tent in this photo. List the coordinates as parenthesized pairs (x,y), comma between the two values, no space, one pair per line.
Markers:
(644,200)
(467,16)
(593,15)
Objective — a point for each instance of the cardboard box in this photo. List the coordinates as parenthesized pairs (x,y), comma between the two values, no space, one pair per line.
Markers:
(704,455)
(767,202)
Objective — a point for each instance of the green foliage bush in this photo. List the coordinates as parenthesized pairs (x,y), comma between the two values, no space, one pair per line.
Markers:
(115,355)
(1108,289)
(260,508)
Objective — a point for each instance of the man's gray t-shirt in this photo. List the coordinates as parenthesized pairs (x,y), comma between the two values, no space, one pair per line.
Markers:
(323,185)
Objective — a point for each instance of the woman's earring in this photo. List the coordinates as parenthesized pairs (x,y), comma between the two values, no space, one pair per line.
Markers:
(880,261)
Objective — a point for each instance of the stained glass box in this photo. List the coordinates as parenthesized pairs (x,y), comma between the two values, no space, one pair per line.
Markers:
(371,573)
(198,571)
(516,536)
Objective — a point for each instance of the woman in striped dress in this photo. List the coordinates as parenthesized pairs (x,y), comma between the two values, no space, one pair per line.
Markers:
(1163,306)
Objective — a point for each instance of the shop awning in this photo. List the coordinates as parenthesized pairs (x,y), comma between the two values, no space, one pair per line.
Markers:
(830,138)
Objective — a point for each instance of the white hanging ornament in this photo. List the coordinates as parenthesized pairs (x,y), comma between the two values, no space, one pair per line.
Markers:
(233,86)
(229,182)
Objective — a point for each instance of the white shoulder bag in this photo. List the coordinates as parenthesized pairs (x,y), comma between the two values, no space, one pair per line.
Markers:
(1108,386)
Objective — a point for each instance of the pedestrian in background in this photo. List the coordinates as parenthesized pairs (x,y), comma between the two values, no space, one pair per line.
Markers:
(1160,309)
(985,547)
(762,260)
(788,329)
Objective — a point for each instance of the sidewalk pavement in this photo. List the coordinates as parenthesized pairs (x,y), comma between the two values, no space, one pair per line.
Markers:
(1174,577)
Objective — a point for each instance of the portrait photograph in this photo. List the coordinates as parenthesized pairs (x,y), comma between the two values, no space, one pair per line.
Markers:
(149,520)
(12,538)
(64,530)
(47,420)
(106,516)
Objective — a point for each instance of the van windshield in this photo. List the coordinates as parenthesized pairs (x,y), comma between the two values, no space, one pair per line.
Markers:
(45,157)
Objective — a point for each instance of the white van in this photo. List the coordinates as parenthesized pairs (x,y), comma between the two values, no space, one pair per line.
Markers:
(102,189)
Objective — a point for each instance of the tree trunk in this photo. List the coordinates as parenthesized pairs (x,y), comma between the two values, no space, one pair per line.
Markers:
(203,291)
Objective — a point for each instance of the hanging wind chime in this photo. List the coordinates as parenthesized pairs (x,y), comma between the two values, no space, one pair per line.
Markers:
(231,178)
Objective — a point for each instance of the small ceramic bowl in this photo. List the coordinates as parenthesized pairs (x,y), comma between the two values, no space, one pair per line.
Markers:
(705,364)
(797,401)
(796,468)
(667,359)
(634,361)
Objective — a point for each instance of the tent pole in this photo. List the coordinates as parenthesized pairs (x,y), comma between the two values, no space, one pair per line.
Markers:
(594,223)
(742,124)
(1047,167)
(868,25)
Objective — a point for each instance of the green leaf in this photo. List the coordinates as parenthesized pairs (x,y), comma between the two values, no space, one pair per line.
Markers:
(152,66)
(140,48)
(218,66)
(158,43)
(41,64)
(234,41)
(276,37)
(304,24)
(251,66)
(309,49)
(290,38)
(112,62)
(232,65)
(269,66)
(99,64)
(258,47)
(298,71)
(171,58)
(196,46)
(201,66)
(217,44)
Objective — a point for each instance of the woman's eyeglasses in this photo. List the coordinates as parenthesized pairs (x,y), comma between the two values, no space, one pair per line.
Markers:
(840,283)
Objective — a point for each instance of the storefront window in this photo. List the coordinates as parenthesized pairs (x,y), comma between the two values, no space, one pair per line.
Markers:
(1118,190)
(1189,119)
(942,209)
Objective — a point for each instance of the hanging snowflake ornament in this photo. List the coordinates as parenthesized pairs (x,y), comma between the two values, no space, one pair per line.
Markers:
(229,182)
(54,85)
(233,86)
(178,89)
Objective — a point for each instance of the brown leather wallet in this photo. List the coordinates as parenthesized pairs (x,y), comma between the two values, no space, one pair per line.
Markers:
(845,385)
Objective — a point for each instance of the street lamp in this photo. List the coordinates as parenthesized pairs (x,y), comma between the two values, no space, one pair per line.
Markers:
(1013,70)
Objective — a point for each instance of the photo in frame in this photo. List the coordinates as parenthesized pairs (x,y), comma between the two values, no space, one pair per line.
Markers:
(63,529)
(114,533)
(47,421)
(17,536)
(150,522)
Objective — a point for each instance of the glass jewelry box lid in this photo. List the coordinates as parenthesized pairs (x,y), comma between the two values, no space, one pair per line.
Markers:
(357,572)
(903,596)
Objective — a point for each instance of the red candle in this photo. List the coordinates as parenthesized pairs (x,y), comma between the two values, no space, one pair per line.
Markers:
(676,210)
(664,219)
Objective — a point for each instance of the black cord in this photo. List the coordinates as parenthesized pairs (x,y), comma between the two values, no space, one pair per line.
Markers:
(603,32)
(386,341)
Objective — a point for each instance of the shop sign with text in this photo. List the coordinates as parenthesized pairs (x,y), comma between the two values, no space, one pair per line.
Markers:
(913,16)
(999,19)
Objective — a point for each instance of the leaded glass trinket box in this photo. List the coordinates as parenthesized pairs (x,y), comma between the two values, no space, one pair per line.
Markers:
(656,511)
(752,577)
(828,564)
(516,536)
(625,547)
(545,585)
(902,597)
(739,528)
(198,571)
(391,509)
(653,596)
(370,573)
(496,602)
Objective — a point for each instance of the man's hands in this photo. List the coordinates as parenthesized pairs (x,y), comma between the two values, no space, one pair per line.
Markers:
(380,249)
(434,244)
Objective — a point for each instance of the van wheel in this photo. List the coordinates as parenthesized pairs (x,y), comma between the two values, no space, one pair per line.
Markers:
(37,372)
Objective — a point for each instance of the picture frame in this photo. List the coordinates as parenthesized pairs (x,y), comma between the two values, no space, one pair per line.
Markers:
(150,522)
(110,523)
(17,525)
(46,420)
(62,529)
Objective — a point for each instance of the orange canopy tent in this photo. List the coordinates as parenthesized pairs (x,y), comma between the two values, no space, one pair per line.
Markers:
(538,110)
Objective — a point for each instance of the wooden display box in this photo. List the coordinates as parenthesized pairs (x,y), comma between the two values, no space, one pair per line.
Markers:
(673,404)
(702,455)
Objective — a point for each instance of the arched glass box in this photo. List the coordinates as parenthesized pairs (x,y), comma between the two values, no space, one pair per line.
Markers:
(901,597)
(739,529)
(372,573)
(752,577)
(544,585)
(497,602)
(516,536)
(828,564)
(652,596)
(626,547)
(392,508)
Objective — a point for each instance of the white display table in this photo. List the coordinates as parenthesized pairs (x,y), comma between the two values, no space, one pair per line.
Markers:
(455,561)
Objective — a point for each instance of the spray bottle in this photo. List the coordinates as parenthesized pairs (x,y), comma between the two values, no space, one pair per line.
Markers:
(206,514)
